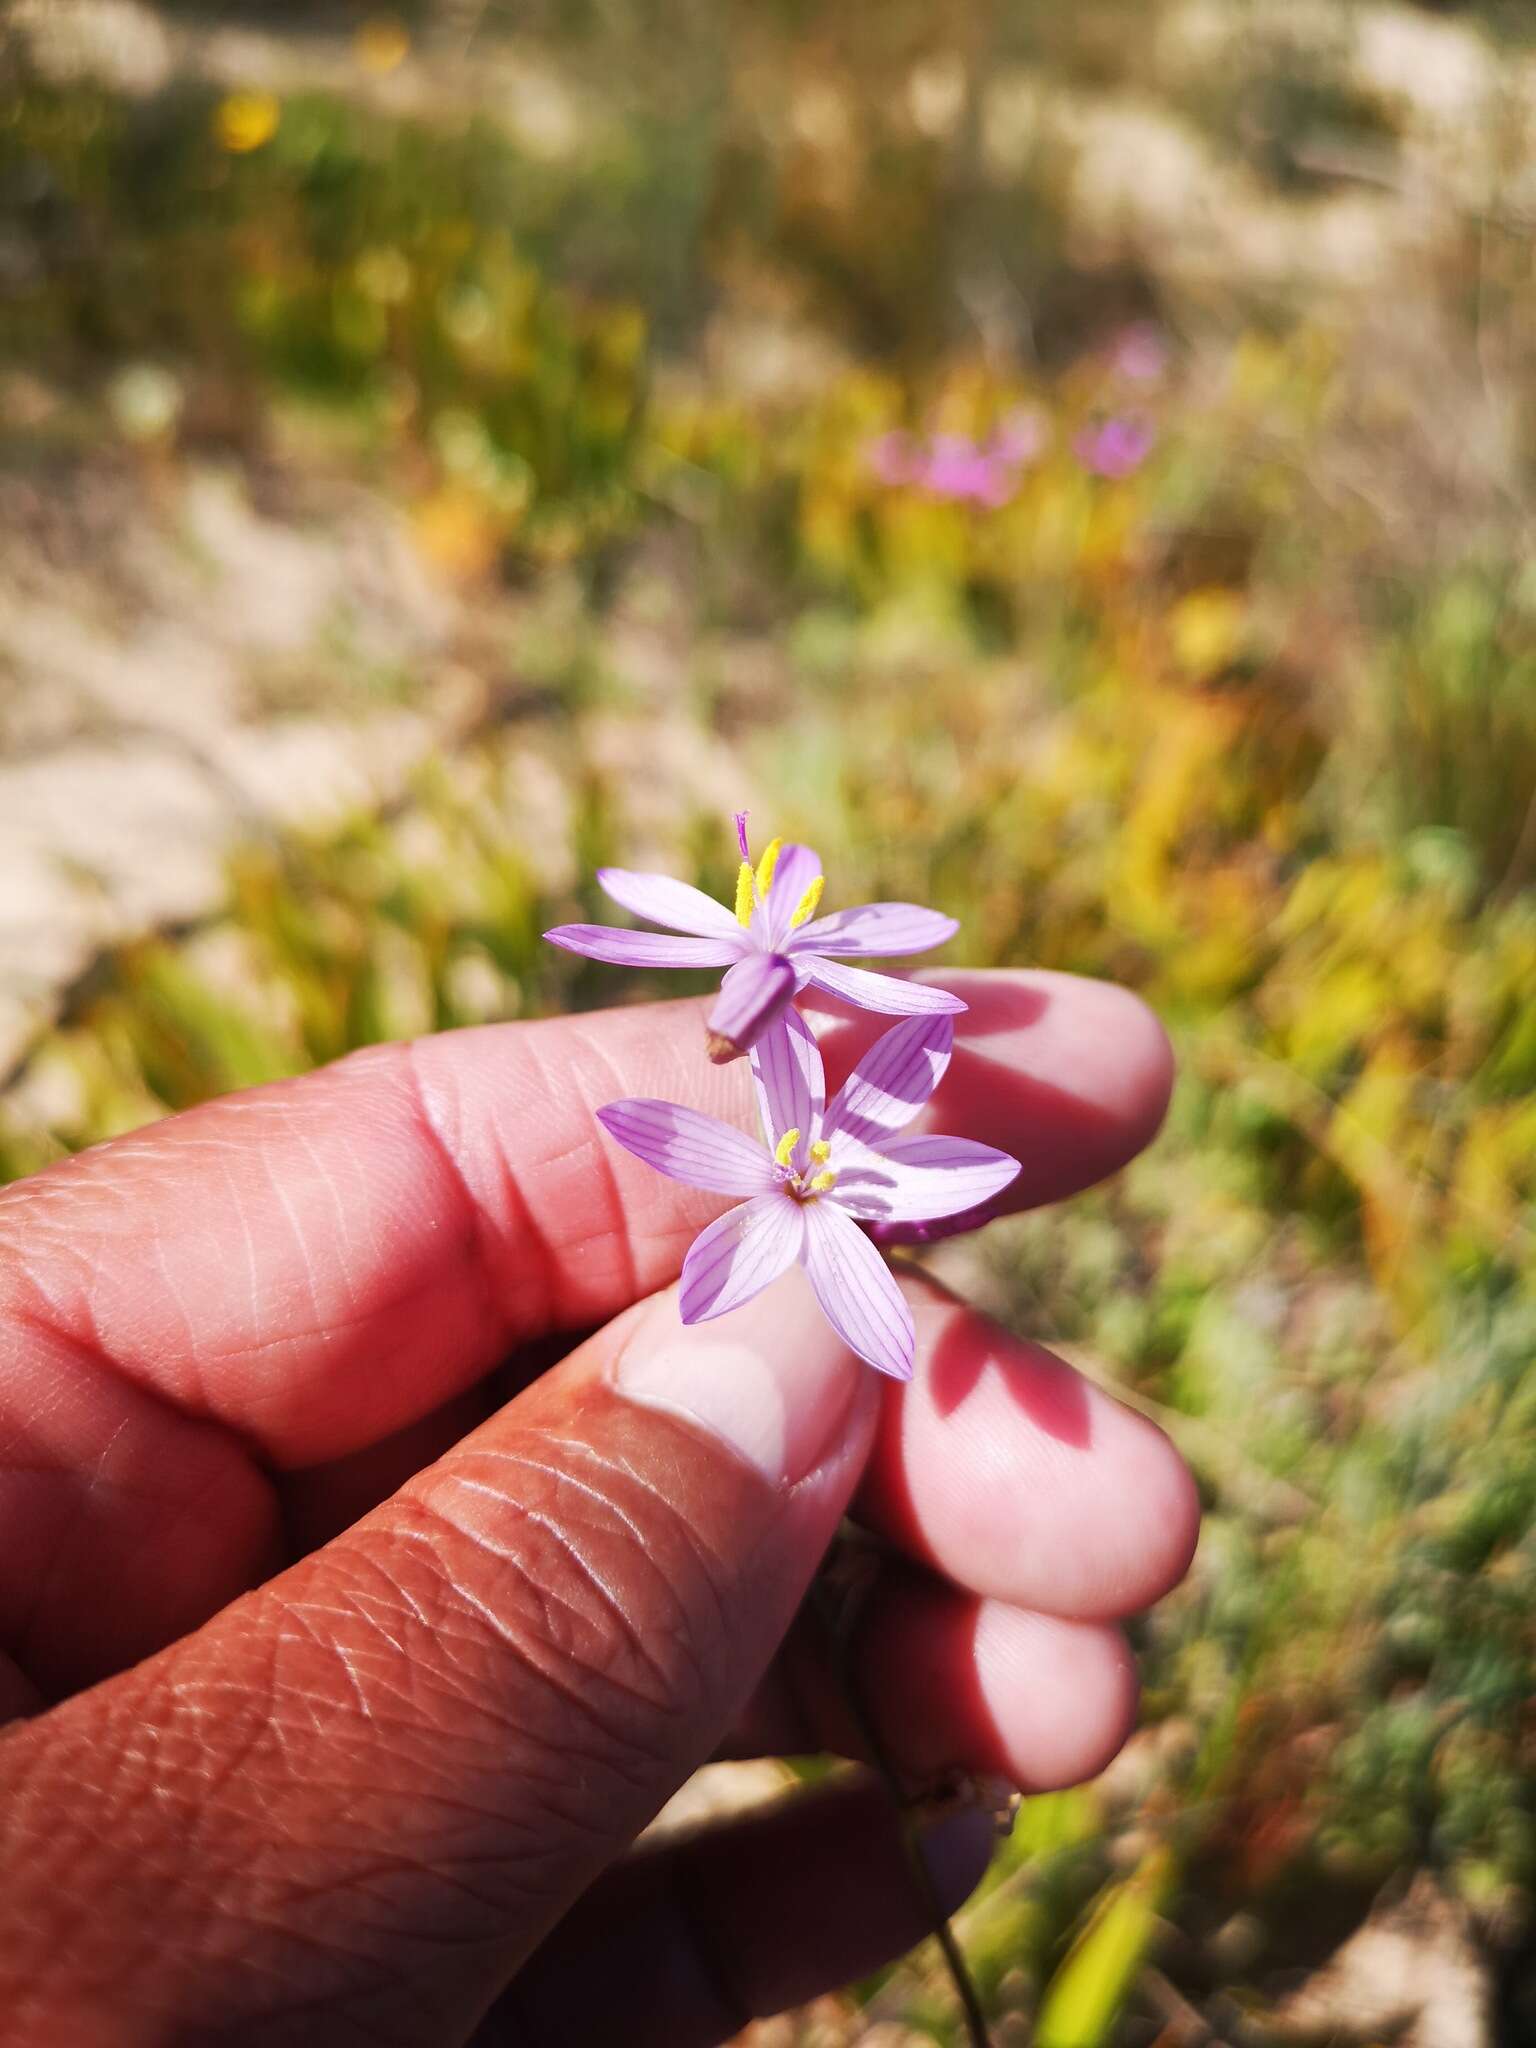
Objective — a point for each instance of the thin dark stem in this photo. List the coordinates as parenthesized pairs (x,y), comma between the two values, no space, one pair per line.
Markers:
(838,1640)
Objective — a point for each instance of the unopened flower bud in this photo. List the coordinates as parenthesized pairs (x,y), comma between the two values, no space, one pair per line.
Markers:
(754,992)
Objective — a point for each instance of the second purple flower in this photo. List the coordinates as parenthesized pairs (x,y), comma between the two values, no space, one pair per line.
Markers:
(822,1171)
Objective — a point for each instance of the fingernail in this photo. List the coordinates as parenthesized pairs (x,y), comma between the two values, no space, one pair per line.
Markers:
(957,1851)
(770,1380)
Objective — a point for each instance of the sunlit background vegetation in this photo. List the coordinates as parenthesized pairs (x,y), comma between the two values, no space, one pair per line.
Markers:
(1074,465)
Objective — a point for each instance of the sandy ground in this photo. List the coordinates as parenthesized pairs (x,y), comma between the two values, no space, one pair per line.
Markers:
(180,670)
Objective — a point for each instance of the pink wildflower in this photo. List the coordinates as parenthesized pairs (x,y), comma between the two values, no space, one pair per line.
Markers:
(959,469)
(1114,447)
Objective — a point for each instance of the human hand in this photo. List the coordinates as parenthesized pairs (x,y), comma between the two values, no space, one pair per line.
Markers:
(355,1631)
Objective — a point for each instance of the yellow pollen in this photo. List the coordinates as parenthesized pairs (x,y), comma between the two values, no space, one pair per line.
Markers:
(822,1181)
(744,893)
(786,1148)
(821,1151)
(806,908)
(766,866)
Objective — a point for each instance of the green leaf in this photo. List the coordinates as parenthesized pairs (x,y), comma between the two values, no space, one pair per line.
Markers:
(1085,1997)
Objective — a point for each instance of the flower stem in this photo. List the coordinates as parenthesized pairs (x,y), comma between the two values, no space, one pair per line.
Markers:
(839,1640)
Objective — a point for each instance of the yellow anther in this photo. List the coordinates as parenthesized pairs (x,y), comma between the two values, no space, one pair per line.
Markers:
(744,893)
(806,908)
(766,866)
(786,1148)
(820,1182)
(821,1151)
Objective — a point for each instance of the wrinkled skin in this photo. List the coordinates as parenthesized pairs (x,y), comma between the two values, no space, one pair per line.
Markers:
(355,1617)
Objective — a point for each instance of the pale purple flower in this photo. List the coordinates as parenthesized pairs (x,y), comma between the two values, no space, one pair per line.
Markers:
(822,1172)
(959,469)
(752,994)
(1114,447)
(772,944)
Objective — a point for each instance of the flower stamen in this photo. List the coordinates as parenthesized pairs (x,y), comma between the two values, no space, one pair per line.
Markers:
(766,866)
(744,894)
(785,1150)
(805,909)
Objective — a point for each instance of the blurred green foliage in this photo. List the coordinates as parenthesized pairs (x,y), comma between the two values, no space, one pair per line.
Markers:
(1160,726)
(359,262)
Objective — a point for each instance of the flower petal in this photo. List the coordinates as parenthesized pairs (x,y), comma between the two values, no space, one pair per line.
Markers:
(791,1082)
(881,992)
(737,1256)
(677,905)
(755,991)
(857,1291)
(914,1180)
(686,1145)
(798,866)
(641,949)
(892,1081)
(875,931)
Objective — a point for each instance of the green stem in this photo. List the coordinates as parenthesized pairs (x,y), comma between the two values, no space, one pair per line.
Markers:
(840,1644)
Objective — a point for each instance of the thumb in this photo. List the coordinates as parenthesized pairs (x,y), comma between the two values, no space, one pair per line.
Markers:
(351,1804)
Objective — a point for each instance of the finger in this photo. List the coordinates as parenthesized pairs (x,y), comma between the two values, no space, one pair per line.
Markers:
(312,1269)
(682,1946)
(319,1263)
(18,1695)
(998,1465)
(1012,1475)
(123,1523)
(321,1501)
(354,1802)
(949,1684)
